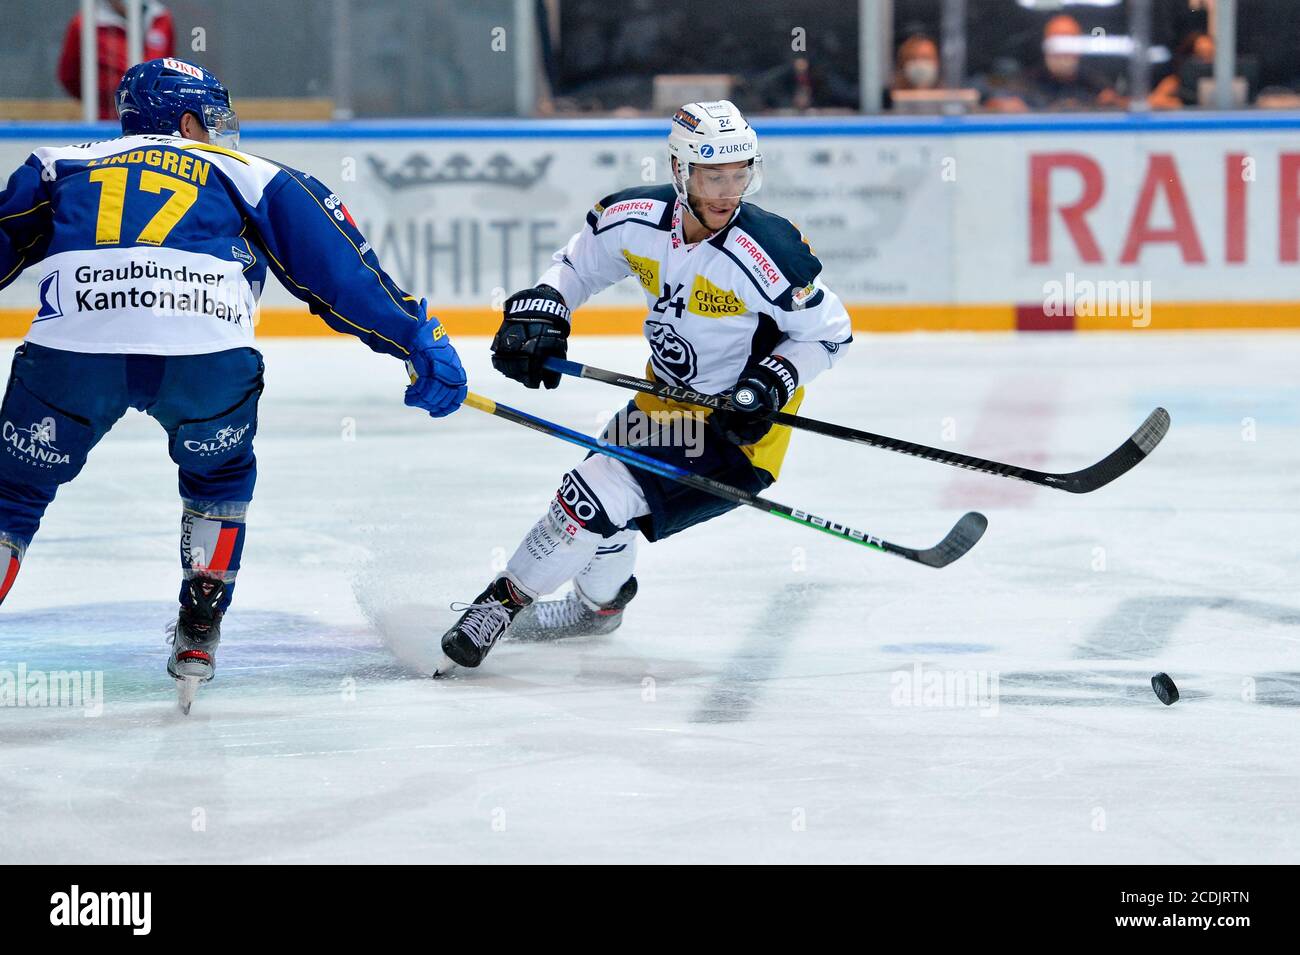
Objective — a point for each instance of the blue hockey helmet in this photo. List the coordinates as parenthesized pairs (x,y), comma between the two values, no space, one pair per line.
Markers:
(154,95)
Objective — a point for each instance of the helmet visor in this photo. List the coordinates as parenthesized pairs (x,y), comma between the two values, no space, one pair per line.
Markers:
(733,180)
(222,125)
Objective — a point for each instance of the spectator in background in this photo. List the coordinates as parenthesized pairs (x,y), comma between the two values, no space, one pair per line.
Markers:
(110,43)
(916,64)
(1059,83)
(1193,60)
(803,85)
(1002,89)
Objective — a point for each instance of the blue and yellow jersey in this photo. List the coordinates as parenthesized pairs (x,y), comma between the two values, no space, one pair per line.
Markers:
(160,245)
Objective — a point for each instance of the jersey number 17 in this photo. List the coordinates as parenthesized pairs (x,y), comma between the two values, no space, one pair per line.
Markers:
(112,200)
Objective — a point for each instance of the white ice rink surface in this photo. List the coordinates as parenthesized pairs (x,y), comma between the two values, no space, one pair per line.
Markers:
(752,706)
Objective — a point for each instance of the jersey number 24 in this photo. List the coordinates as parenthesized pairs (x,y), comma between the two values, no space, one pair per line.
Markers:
(672,298)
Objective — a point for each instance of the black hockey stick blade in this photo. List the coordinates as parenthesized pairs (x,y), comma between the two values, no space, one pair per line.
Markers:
(1123,459)
(1120,461)
(964,535)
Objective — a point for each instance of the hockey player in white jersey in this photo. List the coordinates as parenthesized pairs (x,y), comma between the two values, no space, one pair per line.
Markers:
(153,247)
(736,304)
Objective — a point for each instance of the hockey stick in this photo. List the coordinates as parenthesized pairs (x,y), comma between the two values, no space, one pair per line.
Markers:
(1122,459)
(960,539)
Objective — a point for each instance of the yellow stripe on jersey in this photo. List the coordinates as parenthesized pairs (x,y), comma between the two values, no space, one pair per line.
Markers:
(25,211)
(330,308)
(361,255)
(209,148)
(18,267)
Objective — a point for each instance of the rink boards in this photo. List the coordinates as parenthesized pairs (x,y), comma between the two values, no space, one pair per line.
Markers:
(1087,223)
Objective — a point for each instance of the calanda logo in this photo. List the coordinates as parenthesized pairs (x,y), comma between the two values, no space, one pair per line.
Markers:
(33,444)
(224,440)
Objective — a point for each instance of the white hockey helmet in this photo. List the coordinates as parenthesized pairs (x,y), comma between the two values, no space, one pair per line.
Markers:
(713,134)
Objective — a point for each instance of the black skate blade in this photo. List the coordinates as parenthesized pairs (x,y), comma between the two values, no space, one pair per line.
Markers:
(444,667)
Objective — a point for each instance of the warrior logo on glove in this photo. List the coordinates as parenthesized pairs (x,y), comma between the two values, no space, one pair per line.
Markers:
(535,328)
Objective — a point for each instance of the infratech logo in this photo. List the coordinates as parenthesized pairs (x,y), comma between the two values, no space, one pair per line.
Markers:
(75,908)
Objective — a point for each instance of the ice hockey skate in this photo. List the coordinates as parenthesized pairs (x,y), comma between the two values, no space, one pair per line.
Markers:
(573,615)
(481,626)
(194,637)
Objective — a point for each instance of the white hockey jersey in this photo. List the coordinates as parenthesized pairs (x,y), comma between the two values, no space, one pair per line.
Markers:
(750,290)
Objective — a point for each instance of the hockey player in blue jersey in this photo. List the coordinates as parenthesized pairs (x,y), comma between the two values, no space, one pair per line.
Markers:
(153,248)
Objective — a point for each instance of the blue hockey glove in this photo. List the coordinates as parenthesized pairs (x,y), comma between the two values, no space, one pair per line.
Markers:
(438,383)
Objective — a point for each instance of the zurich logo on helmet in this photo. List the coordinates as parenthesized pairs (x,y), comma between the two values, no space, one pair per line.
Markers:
(706,150)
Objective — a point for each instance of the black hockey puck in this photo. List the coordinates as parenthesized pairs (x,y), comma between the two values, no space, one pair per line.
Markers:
(1165,688)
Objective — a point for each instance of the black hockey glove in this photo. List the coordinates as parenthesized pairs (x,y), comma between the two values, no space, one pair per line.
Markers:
(535,328)
(764,387)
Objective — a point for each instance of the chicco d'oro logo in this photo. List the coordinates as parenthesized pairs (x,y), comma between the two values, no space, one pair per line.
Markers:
(224,440)
(711,301)
(33,445)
